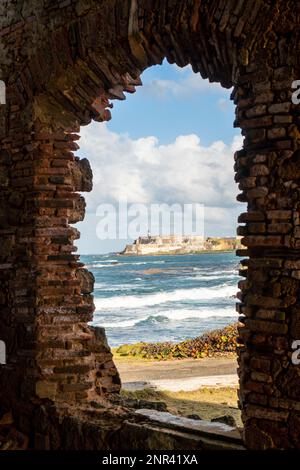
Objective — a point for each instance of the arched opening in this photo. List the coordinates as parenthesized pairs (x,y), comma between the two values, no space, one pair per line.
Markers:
(177,159)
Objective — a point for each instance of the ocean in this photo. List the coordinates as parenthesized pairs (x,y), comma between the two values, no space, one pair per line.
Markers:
(163,298)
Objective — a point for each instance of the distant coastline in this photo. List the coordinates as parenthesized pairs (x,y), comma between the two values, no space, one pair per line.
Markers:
(201,252)
(180,245)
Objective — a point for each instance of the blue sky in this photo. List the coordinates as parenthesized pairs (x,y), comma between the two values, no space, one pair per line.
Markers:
(170,142)
(172,102)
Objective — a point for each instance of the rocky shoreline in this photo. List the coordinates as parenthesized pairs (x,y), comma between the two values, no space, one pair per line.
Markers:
(213,343)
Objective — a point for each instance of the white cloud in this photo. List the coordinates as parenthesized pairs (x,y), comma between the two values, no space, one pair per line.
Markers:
(187,83)
(144,171)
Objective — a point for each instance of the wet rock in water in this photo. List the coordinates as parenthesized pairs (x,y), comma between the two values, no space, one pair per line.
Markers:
(152,271)
(226,419)
(194,416)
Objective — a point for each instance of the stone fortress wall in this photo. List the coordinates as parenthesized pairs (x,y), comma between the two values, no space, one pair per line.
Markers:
(180,245)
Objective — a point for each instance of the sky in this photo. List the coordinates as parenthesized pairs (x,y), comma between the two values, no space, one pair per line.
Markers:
(172,142)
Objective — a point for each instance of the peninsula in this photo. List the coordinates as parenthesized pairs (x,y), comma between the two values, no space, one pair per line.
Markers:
(164,245)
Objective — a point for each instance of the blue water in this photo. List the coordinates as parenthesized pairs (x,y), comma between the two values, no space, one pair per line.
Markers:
(163,298)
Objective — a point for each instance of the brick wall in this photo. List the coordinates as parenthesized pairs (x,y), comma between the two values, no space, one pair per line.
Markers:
(63,62)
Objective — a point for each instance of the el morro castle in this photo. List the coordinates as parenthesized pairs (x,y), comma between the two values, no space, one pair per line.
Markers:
(180,244)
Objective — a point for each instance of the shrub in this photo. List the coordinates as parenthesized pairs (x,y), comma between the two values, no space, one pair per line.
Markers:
(214,342)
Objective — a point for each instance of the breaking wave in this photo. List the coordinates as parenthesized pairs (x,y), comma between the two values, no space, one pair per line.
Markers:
(179,295)
(168,316)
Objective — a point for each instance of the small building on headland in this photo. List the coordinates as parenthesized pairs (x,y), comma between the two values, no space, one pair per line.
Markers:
(177,244)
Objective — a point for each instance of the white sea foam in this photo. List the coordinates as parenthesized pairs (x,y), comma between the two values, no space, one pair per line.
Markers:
(107,288)
(183,314)
(137,301)
(100,265)
(208,271)
(113,262)
(100,285)
(99,321)
(141,262)
(168,315)
(212,277)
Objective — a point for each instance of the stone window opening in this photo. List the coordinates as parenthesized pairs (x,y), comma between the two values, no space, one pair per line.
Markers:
(96,157)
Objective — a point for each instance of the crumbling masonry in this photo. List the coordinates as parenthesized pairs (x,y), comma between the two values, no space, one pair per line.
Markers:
(62,62)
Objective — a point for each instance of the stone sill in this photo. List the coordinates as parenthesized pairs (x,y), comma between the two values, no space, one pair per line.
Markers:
(201,427)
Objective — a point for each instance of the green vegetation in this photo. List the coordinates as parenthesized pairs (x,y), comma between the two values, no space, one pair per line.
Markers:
(217,342)
(207,403)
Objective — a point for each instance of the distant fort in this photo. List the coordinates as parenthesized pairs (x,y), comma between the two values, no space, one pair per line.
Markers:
(174,244)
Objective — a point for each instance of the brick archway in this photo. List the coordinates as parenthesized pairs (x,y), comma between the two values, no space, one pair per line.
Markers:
(77,57)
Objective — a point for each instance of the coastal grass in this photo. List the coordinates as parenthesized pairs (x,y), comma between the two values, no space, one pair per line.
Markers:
(213,343)
(206,403)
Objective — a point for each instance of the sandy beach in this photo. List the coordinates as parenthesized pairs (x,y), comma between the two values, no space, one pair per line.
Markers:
(204,387)
(177,375)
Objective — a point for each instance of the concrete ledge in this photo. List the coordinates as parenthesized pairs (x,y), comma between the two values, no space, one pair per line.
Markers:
(214,430)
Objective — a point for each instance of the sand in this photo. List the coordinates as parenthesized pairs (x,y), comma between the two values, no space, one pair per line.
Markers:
(178,375)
